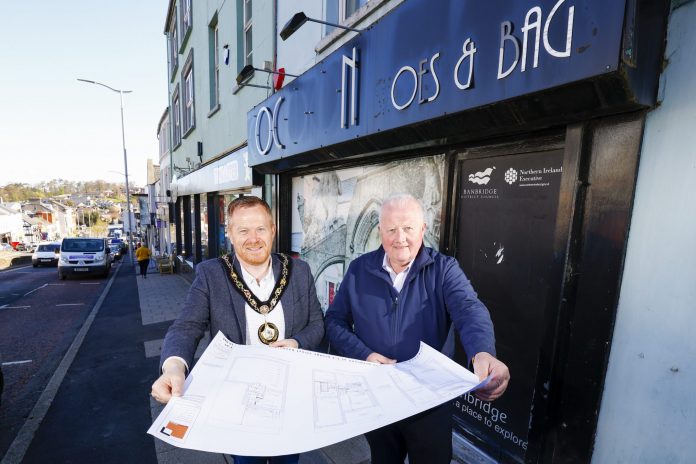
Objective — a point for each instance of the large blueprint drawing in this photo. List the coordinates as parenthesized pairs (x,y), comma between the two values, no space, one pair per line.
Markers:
(261,401)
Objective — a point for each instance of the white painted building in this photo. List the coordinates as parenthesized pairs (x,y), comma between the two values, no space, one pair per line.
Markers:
(59,220)
(208,44)
(648,412)
(162,191)
(11,224)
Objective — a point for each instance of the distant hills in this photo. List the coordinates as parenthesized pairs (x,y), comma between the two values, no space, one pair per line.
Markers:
(54,188)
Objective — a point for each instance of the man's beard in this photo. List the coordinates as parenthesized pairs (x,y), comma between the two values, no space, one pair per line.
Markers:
(255,258)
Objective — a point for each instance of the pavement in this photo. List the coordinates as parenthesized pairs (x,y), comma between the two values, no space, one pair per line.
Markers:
(14,258)
(97,407)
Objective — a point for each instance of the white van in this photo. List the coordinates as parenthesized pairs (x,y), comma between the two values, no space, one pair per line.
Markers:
(84,256)
(46,254)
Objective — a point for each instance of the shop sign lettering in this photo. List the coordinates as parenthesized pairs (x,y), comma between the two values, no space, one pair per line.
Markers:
(531,30)
(271,117)
(461,57)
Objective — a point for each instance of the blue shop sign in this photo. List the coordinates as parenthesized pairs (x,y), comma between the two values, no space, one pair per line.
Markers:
(426,60)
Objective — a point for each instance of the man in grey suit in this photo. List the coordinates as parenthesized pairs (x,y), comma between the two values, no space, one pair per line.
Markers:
(251,296)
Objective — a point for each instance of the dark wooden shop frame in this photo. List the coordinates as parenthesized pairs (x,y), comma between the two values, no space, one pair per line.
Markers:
(600,163)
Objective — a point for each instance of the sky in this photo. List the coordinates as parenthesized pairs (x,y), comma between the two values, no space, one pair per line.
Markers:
(54,127)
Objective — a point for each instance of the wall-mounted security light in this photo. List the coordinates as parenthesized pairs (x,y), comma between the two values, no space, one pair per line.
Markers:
(300,18)
(245,74)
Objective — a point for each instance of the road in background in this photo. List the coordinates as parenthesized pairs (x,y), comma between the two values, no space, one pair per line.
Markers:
(39,318)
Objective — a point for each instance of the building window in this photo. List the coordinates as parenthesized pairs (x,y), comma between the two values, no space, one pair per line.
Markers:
(338,11)
(189,119)
(163,137)
(248,44)
(176,117)
(186,18)
(173,45)
(214,62)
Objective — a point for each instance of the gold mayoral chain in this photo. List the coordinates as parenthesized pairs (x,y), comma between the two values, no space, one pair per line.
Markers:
(268,332)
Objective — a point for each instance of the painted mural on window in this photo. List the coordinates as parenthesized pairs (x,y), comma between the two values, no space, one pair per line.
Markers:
(335,213)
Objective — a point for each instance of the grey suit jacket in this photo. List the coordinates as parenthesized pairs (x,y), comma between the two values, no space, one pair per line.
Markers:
(214,304)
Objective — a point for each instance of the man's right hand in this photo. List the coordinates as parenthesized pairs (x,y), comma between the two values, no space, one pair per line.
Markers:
(171,382)
(379,359)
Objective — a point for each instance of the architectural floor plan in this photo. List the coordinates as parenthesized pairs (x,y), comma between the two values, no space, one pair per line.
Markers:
(342,398)
(262,401)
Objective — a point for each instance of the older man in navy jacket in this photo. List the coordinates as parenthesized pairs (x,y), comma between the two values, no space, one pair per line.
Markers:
(397,296)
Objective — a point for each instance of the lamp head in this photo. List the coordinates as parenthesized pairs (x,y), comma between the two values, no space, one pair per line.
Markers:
(293,25)
(245,73)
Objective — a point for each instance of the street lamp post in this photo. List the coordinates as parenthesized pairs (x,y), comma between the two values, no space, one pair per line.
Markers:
(120,92)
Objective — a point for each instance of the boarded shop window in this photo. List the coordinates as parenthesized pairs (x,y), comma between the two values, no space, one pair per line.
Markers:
(335,213)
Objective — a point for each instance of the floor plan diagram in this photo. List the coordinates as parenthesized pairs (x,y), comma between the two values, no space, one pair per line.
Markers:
(252,395)
(260,401)
(427,383)
(341,398)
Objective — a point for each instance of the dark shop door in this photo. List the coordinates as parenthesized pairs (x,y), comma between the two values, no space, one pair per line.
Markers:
(506,216)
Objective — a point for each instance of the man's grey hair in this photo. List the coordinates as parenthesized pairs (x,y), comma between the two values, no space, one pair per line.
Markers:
(401,200)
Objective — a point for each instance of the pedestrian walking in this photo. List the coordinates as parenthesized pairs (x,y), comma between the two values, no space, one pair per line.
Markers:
(142,254)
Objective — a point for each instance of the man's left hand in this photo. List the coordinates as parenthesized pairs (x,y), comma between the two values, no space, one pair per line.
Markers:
(486,364)
(287,343)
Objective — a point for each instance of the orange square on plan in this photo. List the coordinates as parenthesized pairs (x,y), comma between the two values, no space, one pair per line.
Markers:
(178,430)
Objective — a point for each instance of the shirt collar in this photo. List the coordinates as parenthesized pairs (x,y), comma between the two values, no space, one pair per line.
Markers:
(249,279)
(387,267)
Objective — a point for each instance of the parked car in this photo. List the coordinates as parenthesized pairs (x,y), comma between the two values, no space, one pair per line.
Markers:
(6,247)
(80,255)
(47,253)
(109,257)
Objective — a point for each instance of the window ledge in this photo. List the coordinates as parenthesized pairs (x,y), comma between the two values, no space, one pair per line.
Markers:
(188,131)
(214,110)
(173,72)
(185,39)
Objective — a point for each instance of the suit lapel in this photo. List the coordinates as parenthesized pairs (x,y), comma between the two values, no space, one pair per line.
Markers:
(288,296)
(238,303)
